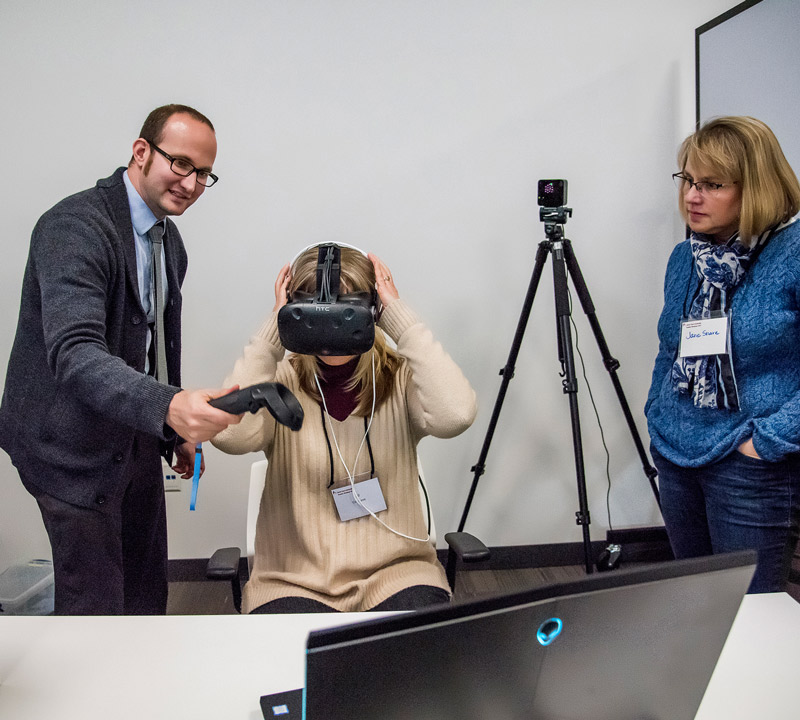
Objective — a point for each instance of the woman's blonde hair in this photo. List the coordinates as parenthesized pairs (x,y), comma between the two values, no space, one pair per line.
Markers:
(745,151)
(357,275)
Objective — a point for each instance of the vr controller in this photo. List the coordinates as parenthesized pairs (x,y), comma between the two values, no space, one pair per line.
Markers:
(326,322)
(277,398)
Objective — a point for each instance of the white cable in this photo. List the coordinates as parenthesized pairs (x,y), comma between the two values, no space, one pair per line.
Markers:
(350,475)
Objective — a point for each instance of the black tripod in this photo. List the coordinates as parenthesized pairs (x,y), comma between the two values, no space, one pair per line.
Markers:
(564,261)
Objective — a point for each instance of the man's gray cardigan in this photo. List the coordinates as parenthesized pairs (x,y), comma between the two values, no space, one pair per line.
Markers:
(75,390)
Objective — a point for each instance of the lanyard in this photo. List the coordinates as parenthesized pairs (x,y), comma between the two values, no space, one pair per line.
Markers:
(351,474)
(330,449)
(198,459)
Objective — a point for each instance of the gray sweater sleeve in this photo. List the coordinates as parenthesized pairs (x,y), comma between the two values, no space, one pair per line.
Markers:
(76,268)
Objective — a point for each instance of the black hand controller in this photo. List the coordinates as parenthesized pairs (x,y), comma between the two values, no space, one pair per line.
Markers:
(277,398)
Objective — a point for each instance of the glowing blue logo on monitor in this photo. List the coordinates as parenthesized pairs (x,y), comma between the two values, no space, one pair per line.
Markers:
(548,631)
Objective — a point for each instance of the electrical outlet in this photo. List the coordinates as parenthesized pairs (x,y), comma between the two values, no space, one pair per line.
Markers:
(172,481)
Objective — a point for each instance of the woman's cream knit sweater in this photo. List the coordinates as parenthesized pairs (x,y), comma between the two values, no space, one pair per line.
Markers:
(302,548)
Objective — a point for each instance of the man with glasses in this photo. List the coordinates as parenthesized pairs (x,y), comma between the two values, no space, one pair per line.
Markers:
(92,396)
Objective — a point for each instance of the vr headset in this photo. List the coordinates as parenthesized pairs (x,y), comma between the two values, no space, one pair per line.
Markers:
(327,322)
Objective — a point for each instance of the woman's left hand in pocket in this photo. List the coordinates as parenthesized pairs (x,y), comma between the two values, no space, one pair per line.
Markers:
(747,448)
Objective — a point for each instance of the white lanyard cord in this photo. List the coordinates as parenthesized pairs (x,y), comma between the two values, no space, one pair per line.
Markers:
(350,474)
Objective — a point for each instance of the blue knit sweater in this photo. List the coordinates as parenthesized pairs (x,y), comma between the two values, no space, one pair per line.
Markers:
(765,337)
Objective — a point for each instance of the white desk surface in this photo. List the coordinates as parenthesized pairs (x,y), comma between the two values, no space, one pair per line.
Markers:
(60,668)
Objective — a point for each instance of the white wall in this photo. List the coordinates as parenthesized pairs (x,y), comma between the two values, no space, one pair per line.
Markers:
(417,130)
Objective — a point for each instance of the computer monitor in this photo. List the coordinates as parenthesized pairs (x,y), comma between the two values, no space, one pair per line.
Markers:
(636,644)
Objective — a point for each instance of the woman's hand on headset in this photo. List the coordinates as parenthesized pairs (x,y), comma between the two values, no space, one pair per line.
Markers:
(384,282)
(282,287)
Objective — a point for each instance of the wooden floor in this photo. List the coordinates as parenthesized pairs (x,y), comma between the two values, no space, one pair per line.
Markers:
(479,583)
(200,598)
(214,598)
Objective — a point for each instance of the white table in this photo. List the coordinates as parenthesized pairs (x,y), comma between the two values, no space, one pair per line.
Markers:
(758,673)
(142,668)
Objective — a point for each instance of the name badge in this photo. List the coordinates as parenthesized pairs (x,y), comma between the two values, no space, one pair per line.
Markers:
(370,494)
(704,337)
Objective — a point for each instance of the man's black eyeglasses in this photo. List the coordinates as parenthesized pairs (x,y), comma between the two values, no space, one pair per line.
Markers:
(184,168)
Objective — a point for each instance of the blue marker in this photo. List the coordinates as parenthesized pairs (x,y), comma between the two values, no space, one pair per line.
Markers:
(198,459)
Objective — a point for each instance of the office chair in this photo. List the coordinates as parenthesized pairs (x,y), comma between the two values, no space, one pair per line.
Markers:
(224,563)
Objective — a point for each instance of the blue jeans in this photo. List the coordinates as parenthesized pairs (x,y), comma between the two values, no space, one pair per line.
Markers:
(736,503)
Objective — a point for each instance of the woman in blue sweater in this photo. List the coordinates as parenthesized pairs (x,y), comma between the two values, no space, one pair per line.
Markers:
(723,410)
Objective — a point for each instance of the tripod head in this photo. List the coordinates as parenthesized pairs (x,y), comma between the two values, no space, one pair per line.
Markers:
(554,220)
(552,210)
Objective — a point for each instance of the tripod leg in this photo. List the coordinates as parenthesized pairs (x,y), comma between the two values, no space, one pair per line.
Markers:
(507,373)
(570,384)
(611,364)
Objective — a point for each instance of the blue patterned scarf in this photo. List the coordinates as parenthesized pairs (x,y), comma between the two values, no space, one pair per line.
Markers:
(709,378)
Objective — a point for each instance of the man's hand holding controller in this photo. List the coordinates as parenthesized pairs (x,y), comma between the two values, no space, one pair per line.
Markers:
(192,417)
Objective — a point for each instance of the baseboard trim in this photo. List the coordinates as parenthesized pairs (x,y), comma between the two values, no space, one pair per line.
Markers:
(194,569)
(516,557)
(642,544)
(648,544)
(639,544)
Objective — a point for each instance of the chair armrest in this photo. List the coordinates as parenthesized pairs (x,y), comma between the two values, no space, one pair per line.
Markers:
(224,564)
(467,547)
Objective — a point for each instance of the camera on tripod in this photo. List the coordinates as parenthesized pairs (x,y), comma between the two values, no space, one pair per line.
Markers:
(552,199)
(554,214)
(552,193)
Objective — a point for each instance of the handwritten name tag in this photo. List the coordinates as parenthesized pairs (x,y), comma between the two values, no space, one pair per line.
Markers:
(369,492)
(704,337)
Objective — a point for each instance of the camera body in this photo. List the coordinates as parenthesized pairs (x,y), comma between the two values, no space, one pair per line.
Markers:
(552,193)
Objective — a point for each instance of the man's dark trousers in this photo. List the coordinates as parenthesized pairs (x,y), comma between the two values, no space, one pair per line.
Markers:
(112,559)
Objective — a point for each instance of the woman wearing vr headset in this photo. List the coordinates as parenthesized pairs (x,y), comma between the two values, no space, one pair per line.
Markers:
(318,548)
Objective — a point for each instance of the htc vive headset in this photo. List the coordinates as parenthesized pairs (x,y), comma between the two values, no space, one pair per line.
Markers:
(328,322)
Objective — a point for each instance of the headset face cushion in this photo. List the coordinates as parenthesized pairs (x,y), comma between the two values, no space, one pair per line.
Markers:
(343,327)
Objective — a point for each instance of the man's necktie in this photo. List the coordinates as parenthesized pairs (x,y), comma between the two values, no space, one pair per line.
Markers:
(156,235)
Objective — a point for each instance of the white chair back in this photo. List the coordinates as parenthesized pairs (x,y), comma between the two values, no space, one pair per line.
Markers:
(258,476)
(424,498)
